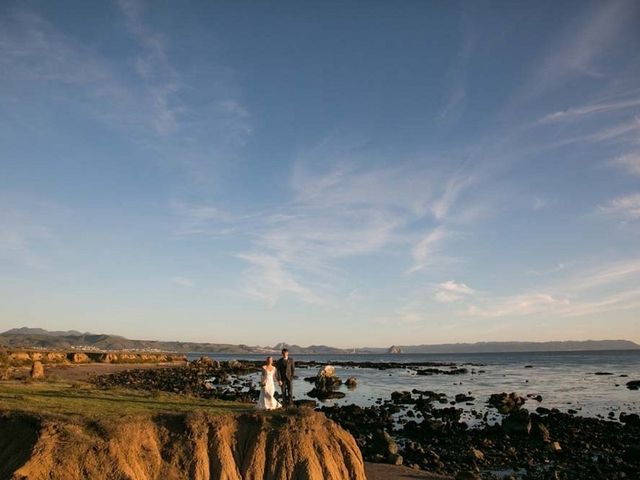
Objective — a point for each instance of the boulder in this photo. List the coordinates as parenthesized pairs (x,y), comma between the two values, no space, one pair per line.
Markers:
(78,358)
(541,432)
(506,403)
(630,419)
(633,385)
(37,370)
(351,382)
(518,422)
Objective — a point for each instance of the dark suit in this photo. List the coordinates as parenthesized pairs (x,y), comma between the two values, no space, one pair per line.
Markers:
(285,370)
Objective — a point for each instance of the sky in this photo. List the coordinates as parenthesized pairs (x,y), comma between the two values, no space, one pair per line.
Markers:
(346,173)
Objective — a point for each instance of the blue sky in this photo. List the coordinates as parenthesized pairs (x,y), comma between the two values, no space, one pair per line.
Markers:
(347,173)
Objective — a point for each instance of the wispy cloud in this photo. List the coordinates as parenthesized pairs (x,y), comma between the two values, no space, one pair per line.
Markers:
(425,250)
(584,293)
(627,206)
(183,281)
(519,305)
(629,162)
(161,79)
(576,113)
(268,280)
(451,291)
(585,42)
(139,98)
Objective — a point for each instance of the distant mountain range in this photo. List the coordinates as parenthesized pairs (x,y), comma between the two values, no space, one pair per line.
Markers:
(40,338)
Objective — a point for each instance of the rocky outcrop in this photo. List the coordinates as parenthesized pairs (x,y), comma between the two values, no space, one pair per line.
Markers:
(37,370)
(197,446)
(326,384)
(27,357)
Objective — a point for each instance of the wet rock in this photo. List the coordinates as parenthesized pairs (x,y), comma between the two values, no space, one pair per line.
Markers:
(305,403)
(351,382)
(630,419)
(633,385)
(438,371)
(518,422)
(461,397)
(37,370)
(506,403)
(326,384)
(402,398)
(632,454)
(541,432)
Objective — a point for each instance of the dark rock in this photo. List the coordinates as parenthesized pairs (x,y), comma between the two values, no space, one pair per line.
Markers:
(461,397)
(518,422)
(633,385)
(351,382)
(305,403)
(632,454)
(630,419)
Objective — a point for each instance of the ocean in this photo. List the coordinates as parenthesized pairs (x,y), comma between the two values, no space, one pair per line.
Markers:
(565,380)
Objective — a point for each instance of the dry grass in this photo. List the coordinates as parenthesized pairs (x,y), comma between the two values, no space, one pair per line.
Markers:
(79,399)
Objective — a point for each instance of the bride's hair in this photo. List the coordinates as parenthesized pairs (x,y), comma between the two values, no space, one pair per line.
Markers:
(269,360)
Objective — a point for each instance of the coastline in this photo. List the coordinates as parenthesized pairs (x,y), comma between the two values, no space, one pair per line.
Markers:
(420,429)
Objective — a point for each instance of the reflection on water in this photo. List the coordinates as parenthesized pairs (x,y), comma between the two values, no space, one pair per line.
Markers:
(566,380)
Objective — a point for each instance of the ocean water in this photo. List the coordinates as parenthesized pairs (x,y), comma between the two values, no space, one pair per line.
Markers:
(566,380)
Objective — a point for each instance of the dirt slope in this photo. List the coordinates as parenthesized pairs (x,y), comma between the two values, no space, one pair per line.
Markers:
(170,447)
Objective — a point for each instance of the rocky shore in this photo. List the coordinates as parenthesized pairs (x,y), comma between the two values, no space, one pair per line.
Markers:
(424,430)
(409,429)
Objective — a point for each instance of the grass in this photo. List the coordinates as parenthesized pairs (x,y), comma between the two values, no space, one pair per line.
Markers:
(79,399)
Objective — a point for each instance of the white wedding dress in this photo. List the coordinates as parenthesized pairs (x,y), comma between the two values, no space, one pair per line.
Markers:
(268,387)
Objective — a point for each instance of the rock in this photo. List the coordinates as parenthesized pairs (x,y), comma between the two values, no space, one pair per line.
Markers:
(461,397)
(633,385)
(351,382)
(468,475)
(632,454)
(402,398)
(385,444)
(555,447)
(540,431)
(630,419)
(305,403)
(506,403)
(518,422)
(394,350)
(477,454)
(37,370)
(326,384)
(395,459)
(79,357)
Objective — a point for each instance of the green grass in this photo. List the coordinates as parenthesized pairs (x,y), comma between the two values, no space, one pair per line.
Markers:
(79,399)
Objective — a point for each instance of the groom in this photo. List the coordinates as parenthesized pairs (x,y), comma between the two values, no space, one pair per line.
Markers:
(285,369)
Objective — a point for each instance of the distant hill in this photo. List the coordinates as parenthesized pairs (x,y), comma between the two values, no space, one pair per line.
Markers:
(504,347)
(40,338)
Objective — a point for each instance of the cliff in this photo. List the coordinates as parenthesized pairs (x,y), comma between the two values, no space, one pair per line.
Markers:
(26,357)
(195,445)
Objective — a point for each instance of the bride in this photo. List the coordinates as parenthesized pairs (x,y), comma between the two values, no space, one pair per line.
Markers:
(268,387)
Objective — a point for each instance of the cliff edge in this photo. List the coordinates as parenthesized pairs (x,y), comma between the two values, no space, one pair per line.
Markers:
(198,446)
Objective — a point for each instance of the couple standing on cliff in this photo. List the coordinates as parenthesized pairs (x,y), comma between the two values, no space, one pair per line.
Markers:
(282,372)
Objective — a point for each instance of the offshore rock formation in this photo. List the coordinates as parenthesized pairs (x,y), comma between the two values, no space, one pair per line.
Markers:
(305,446)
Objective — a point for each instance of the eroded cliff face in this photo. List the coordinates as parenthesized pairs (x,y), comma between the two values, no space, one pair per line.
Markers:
(197,446)
(24,357)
